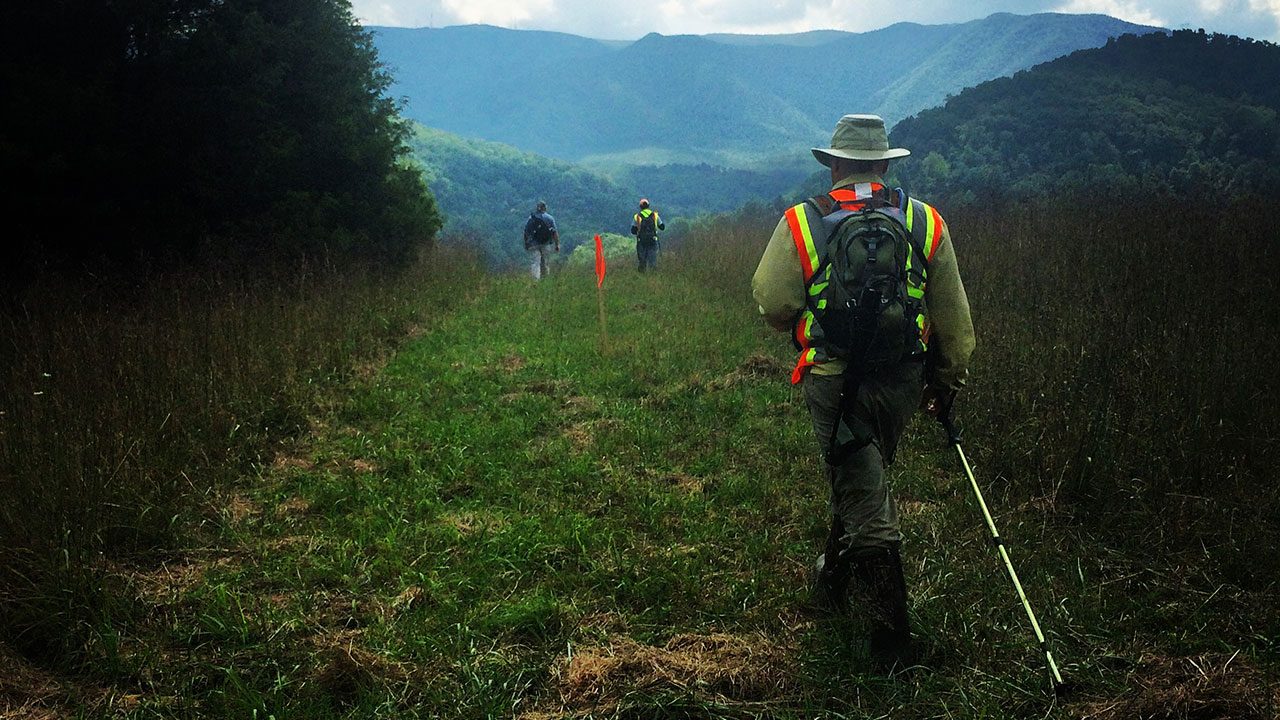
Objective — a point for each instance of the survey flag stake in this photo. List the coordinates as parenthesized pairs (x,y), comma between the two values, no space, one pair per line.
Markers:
(600,288)
(599,262)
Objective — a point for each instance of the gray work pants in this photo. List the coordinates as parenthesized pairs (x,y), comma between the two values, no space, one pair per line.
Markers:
(646,255)
(859,495)
(538,255)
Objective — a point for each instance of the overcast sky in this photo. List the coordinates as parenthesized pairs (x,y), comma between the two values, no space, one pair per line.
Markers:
(620,19)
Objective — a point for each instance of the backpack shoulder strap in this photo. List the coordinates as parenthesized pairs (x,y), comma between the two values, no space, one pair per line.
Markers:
(824,203)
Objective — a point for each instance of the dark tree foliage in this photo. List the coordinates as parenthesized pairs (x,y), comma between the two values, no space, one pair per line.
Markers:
(189,132)
(1187,113)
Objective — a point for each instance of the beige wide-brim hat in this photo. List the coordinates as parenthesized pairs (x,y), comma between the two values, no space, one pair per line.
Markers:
(859,137)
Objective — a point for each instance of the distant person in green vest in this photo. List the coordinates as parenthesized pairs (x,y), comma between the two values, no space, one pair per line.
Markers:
(645,226)
(862,362)
(540,234)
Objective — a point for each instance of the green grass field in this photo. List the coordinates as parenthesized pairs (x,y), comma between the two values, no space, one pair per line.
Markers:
(526,512)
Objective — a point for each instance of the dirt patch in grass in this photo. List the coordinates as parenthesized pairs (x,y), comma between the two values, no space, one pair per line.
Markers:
(26,691)
(754,369)
(716,667)
(511,363)
(29,693)
(364,466)
(304,544)
(551,388)
(1203,687)
(469,522)
(582,435)
(170,581)
(763,366)
(344,667)
(578,405)
(287,461)
(919,507)
(293,507)
(345,612)
(687,484)
(408,599)
(237,507)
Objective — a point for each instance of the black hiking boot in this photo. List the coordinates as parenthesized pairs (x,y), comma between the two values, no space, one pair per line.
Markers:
(831,585)
(878,572)
(831,574)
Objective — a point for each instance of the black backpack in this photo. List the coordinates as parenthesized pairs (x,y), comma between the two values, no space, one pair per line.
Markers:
(540,230)
(647,228)
(859,293)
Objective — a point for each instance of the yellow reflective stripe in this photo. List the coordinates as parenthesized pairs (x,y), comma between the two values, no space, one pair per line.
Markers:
(803,218)
(819,285)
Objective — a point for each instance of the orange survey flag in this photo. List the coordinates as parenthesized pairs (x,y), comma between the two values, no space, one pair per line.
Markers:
(599,263)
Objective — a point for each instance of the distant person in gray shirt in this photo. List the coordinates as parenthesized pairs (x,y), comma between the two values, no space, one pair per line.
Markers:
(539,234)
(645,226)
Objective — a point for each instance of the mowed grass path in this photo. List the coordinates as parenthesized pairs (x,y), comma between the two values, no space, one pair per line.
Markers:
(522,515)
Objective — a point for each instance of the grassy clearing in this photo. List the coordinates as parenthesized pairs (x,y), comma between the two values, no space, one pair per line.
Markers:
(524,514)
(125,410)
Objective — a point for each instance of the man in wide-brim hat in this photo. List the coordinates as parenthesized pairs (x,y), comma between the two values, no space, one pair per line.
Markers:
(859,410)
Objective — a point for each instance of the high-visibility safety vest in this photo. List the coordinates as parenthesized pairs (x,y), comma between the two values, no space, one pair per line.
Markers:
(646,222)
(810,236)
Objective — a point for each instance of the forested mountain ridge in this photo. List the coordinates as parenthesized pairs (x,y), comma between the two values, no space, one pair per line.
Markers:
(1188,113)
(693,98)
(486,191)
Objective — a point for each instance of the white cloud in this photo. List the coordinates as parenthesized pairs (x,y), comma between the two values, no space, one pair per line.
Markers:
(497,12)
(629,19)
(1266,6)
(377,13)
(733,16)
(1129,11)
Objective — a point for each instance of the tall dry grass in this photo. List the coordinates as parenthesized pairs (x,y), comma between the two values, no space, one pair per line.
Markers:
(120,409)
(1124,375)
(1125,357)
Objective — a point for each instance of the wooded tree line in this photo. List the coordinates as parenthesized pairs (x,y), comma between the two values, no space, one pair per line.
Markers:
(1187,113)
(487,191)
(168,132)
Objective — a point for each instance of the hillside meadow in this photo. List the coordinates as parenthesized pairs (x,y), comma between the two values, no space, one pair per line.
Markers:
(553,501)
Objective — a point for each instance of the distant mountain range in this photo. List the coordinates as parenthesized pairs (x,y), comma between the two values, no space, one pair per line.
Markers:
(729,100)
(1187,113)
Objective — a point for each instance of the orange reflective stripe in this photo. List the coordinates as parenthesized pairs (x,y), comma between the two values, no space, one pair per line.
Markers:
(806,360)
(802,329)
(850,194)
(935,232)
(798,221)
(804,335)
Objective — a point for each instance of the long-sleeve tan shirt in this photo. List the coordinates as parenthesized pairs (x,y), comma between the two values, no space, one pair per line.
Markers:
(778,287)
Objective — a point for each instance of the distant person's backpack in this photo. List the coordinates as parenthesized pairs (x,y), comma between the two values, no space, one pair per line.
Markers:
(867,293)
(539,230)
(647,228)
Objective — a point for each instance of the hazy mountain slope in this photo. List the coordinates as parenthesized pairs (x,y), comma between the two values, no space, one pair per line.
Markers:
(998,46)
(486,191)
(721,99)
(1187,112)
